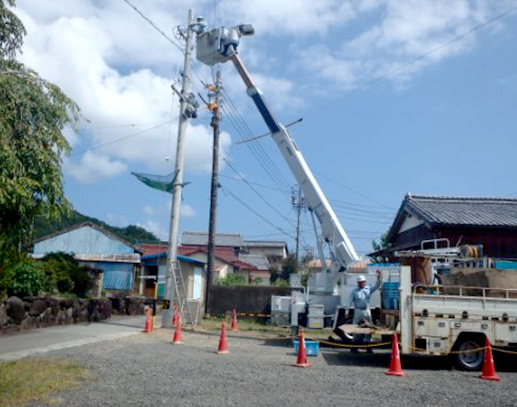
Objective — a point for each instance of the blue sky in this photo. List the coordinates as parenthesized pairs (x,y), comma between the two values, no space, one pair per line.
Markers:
(379,120)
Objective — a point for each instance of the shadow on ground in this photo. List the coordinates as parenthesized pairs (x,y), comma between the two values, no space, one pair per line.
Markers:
(503,362)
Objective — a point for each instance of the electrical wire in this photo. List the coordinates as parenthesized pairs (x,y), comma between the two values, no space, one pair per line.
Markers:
(122,138)
(230,165)
(155,26)
(230,193)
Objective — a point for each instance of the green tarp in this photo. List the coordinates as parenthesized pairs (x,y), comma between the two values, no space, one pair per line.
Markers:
(159,182)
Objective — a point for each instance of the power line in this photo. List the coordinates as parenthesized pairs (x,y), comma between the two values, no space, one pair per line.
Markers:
(243,130)
(353,190)
(122,138)
(260,154)
(256,192)
(228,192)
(155,27)
(256,184)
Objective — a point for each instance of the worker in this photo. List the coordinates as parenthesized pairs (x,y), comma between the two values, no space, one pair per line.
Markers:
(360,298)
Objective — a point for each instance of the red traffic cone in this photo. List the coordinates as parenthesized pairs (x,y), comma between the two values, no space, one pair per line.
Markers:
(302,353)
(223,345)
(148,322)
(175,316)
(395,366)
(176,340)
(234,320)
(488,372)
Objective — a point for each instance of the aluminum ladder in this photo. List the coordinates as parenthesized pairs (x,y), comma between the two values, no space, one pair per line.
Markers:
(180,297)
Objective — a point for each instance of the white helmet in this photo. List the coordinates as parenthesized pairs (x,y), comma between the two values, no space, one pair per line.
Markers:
(361,279)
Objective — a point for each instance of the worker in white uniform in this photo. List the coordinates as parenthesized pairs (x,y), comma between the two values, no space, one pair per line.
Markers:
(360,298)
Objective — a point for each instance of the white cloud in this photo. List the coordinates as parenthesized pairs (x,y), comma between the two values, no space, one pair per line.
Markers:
(116,220)
(156,228)
(119,69)
(296,17)
(409,36)
(148,210)
(101,70)
(187,211)
(94,167)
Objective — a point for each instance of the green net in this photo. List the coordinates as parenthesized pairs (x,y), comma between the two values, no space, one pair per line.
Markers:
(159,182)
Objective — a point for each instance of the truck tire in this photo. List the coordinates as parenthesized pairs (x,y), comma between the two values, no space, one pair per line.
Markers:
(466,359)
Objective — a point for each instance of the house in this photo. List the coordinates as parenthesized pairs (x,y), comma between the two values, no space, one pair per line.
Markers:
(491,222)
(225,261)
(200,239)
(155,270)
(260,272)
(96,248)
(231,254)
(275,251)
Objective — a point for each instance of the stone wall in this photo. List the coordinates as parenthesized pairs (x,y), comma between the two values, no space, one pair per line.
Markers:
(37,312)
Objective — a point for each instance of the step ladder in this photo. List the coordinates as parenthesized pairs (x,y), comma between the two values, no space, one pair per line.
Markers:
(180,291)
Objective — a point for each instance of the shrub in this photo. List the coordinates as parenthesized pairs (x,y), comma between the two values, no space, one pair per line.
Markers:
(65,274)
(26,279)
(232,280)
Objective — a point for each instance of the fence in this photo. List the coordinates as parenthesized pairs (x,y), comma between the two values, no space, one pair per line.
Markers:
(251,300)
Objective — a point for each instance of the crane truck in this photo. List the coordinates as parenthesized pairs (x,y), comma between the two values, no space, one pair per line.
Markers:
(432,324)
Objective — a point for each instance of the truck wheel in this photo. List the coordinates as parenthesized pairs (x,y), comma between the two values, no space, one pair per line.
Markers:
(468,359)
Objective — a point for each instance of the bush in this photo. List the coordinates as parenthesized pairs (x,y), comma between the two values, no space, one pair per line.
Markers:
(26,279)
(232,280)
(65,275)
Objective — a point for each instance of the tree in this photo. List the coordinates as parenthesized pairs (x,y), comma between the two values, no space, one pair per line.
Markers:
(33,115)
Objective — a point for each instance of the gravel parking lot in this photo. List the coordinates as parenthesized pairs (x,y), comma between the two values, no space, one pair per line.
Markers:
(147,369)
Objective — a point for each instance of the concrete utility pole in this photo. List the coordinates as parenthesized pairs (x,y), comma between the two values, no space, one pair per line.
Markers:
(178,183)
(214,105)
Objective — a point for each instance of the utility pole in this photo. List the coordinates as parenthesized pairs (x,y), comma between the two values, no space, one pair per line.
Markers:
(177,188)
(298,203)
(216,118)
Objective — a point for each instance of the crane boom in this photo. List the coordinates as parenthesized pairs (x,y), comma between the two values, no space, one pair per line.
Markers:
(219,45)
(331,228)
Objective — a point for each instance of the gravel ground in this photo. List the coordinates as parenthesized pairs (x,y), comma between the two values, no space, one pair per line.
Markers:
(147,369)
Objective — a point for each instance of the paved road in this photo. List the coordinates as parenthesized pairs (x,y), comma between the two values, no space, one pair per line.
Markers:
(22,344)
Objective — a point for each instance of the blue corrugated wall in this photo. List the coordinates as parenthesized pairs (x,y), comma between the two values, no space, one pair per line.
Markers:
(117,276)
(85,240)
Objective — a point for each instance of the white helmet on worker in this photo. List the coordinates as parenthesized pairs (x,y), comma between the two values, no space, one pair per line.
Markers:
(361,279)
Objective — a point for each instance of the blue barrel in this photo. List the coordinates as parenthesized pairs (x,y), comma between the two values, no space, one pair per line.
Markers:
(390,295)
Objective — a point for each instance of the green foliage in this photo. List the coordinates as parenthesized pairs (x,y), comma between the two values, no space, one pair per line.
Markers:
(26,279)
(289,266)
(65,274)
(382,244)
(232,280)
(280,282)
(33,115)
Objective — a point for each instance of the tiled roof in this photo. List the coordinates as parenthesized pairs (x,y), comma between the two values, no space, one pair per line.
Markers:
(264,243)
(148,249)
(221,239)
(259,261)
(463,211)
(222,253)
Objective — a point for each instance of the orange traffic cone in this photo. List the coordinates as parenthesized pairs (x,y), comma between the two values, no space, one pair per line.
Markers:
(176,340)
(395,366)
(302,353)
(175,316)
(223,345)
(148,322)
(488,372)
(234,320)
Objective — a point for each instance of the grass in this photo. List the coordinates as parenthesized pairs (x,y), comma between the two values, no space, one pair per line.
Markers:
(28,380)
